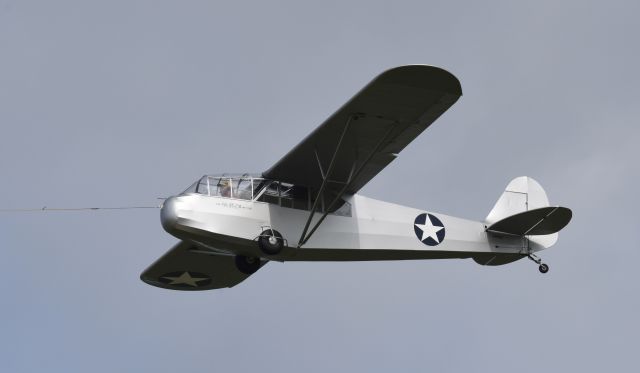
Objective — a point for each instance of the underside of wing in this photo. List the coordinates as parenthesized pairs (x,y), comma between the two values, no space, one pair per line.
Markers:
(189,267)
(370,130)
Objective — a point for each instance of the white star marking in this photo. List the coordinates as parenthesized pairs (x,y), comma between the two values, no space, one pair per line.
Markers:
(184,278)
(429,230)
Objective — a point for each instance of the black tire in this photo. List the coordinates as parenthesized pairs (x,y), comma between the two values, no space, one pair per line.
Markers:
(247,264)
(270,242)
(543,268)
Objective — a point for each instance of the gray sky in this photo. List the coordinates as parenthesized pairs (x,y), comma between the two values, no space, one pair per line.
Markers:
(121,102)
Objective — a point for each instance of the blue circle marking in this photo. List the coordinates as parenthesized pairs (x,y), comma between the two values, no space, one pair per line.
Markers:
(429,229)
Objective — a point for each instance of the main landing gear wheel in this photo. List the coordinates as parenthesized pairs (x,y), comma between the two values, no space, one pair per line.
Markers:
(543,268)
(270,242)
(247,264)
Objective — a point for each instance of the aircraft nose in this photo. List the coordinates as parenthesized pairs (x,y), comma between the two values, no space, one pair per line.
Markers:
(168,214)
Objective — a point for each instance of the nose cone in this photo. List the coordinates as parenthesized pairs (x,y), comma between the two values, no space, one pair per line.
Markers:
(169,214)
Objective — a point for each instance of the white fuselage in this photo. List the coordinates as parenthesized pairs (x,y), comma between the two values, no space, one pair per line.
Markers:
(375,230)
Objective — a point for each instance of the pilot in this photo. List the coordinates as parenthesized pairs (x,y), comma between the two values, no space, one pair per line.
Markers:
(225,188)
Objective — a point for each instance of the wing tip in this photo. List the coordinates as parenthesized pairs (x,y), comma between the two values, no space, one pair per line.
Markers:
(423,75)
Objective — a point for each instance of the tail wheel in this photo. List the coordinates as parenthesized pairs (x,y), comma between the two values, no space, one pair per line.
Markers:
(247,264)
(543,268)
(270,242)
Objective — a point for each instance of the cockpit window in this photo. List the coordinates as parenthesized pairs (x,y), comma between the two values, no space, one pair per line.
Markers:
(268,191)
(222,186)
(262,190)
(284,194)
(241,188)
(294,196)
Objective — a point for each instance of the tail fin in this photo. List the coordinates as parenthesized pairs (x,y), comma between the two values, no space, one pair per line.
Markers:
(522,194)
(523,210)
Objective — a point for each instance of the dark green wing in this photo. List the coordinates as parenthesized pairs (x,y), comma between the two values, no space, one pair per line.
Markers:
(189,267)
(382,118)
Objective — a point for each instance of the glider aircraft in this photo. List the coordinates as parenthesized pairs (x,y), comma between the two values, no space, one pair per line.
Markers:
(306,207)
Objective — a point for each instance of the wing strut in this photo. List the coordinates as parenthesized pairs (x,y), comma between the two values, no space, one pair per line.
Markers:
(325,177)
(352,176)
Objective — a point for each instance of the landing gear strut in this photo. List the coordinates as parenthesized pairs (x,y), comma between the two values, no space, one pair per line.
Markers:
(543,268)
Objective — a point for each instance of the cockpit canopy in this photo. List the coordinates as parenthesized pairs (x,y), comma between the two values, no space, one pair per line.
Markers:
(238,186)
(256,188)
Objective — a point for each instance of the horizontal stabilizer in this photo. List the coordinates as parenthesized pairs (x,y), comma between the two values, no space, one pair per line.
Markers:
(540,221)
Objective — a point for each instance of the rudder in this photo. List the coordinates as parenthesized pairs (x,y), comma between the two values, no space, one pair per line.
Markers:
(521,194)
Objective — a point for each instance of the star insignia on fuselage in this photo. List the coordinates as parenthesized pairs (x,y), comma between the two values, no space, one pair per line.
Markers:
(185,279)
(429,229)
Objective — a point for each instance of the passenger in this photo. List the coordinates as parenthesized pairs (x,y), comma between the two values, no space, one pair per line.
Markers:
(225,188)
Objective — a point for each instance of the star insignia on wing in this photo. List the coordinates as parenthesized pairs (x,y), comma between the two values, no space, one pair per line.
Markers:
(185,279)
